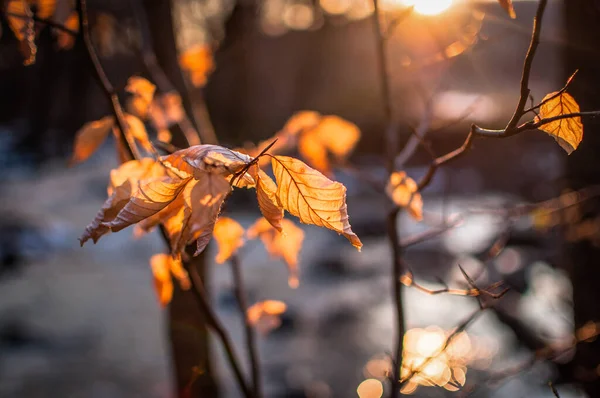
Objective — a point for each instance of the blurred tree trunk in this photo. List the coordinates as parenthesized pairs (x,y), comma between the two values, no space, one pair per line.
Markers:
(190,342)
(583,169)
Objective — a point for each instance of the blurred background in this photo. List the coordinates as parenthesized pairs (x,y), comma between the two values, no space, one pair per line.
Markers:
(85,322)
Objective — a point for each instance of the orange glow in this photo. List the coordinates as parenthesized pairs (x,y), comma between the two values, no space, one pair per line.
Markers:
(370,388)
(428,7)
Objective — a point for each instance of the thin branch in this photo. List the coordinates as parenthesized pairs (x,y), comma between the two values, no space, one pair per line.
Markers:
(240,294)
(391,148)
(408,280)
(44,21)
(556,95)
(533,45)
(121,122)
(430,233)
(554,390)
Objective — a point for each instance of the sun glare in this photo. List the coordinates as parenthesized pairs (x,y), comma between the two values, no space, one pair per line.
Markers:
(429,7)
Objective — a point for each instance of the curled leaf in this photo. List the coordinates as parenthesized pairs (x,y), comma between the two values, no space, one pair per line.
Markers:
(284,245)
(89,138)
(264,315)
(567,132)
(266,194)
(163,265)
(197,160)
(403,191)
(229,235)
(508,7)
(313,198)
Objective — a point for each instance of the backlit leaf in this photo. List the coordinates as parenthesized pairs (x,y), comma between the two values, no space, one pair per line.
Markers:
(89,138)
(313,198)
(163,266)
(264,315)
(142,93)
(508,7)
(198,63)
(285,245)
(567,132)
(403,191)
(165,111)
(229,235)
(266,194)
(331,135)
(138,131)
(44,8)
(66,40)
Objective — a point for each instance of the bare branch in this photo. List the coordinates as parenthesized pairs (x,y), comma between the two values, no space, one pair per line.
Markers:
(44,21)
(558,94)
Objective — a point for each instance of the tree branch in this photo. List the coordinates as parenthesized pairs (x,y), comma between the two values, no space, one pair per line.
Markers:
(44,21)
(240,294)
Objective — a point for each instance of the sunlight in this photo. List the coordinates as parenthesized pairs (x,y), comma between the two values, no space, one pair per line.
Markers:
(428,7)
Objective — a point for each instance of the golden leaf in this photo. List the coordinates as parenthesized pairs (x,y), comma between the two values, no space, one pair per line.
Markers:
(331,135)
(266,190)
(138,131)
(264,315)
(229,235)
(142,95)
(403,191)
(201,159)
(301,121)
(66,40)
(312,197)
(508,7)
(44,8)
(163,265)
(122,182)
(285,245)
(567,132)
(89,138)
(23,27)
(198,63)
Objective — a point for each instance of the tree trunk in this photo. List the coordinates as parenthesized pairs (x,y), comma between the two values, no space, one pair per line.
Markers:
(583,169)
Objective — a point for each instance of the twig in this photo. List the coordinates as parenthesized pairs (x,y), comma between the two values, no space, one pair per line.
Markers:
(121,122)
(391,144)
(44,21)
(558,94)
(554,390)
(533,45)
(430,233)
(240,294)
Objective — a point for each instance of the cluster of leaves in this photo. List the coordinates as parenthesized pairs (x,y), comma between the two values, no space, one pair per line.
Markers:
(21,15)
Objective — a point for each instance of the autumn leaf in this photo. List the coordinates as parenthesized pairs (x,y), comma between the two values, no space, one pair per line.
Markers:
(403,191)
(20,20)
(266,194)
(264,315)
(142,94)
(89,138)
(66,40)
(312,197)
(285,245)
(508,7)
(229,235)
(198,63)
(301,121)
(200,159)
(567,132)
(138,131)
(331,135)
(165,111)
(44,8)
(163,265)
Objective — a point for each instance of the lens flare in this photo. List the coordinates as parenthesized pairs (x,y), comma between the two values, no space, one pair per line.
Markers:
(429,7)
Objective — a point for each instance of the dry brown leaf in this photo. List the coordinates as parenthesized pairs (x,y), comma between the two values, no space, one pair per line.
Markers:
(266,190)
(142,94)
(23,27)
(89,138)
(313,198)
(285,245)
(198,63)
(403,191)
(264,315)
(229,235)
(200,159)
(567,132)
(331,135)
(163,265)
(508,7)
